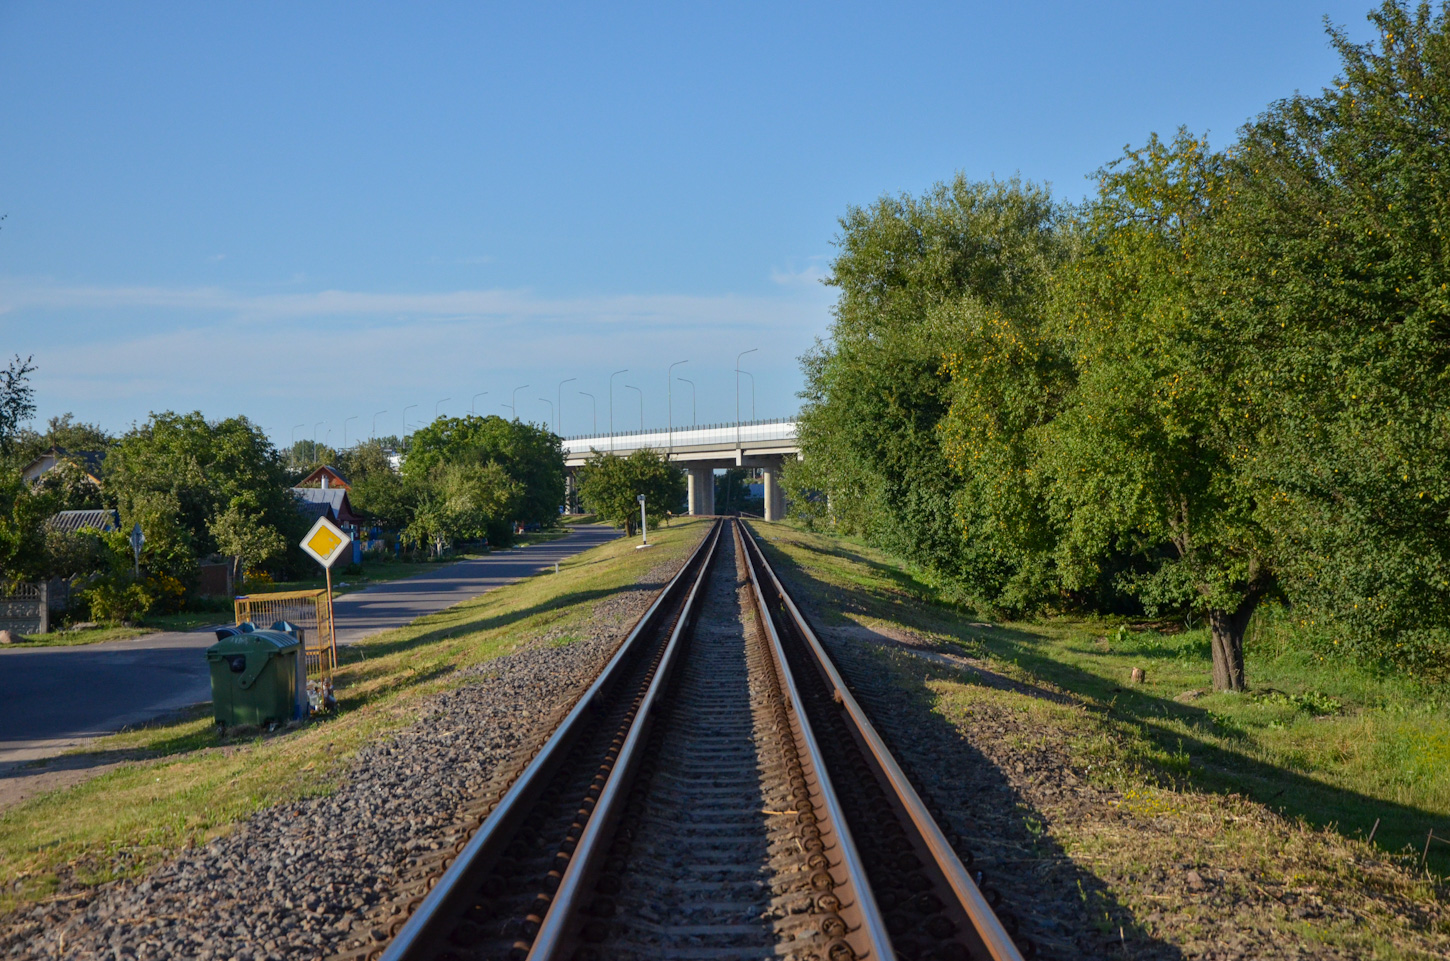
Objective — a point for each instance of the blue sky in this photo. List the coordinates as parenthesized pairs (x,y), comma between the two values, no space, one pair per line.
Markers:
(310,212)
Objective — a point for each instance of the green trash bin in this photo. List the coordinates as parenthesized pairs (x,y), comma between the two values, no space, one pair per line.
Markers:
(254,675)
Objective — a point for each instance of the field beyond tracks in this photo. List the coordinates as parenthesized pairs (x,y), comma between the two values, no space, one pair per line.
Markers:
(1153,819)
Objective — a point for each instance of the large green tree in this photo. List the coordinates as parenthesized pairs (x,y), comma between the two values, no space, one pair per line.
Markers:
(531,456)
(919,279)
(187,480)
(610,486)
(1334,264)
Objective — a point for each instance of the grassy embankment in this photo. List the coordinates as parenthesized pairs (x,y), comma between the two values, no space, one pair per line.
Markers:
(183,784)
(1279,787)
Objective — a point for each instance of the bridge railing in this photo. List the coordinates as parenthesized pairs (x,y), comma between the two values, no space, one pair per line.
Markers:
(723,435)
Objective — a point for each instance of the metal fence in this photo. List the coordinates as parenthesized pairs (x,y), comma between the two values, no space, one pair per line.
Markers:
(25,609)
(308,610)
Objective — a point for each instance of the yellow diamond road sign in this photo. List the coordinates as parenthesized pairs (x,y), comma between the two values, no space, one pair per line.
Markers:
(326,542)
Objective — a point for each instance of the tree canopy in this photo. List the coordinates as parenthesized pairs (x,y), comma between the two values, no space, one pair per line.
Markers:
(1223,378)
(610,486)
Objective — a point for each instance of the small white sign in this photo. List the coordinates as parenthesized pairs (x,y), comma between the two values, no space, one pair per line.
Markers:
(326,542)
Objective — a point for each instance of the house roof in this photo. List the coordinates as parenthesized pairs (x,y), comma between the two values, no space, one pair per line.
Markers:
(88,460)
(333,498)
(71,521)
(334,479)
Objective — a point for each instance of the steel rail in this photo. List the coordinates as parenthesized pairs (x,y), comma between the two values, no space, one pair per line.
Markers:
(577,881)
(430,922)
(997,941)
(872,920)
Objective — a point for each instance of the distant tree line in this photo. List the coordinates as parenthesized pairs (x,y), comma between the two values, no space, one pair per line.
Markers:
(1222,380)
(200,488)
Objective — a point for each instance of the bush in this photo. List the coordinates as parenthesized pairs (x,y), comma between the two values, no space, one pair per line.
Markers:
(119,598)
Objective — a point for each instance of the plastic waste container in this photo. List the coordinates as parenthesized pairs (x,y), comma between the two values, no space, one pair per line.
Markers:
(254,675)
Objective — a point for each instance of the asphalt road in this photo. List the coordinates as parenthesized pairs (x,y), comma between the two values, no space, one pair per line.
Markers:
(55,698)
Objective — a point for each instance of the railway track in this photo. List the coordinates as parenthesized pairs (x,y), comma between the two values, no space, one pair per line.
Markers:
(717,793)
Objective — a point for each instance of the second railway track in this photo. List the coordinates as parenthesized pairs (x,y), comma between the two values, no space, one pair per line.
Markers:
(717,793)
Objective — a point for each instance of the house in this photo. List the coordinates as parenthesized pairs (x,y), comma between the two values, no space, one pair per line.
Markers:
(329,502)
(70,522)
(327,478)
(87,460)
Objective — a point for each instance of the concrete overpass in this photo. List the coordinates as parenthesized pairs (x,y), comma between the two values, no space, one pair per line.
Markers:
(701,451)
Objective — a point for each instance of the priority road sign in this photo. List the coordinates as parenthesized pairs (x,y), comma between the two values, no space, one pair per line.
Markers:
(326,542)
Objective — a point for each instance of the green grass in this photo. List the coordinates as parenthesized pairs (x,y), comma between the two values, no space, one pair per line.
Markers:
(183,783)
(1325,747)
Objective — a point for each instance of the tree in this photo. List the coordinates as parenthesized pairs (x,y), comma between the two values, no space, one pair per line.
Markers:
(916,277)
(610,486)
(531,456)
(1334,263)
(180,474)
(1152,447)
(238,533)
(23,514)
(17,401)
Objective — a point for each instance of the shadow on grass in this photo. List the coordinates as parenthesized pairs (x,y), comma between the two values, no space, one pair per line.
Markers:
(1068,909)
(1214,767)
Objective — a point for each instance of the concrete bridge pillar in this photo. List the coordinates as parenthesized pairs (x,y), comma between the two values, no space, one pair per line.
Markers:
(702,490)
(774,495)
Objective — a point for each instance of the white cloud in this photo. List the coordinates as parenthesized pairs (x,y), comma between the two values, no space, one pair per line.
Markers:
(811,275)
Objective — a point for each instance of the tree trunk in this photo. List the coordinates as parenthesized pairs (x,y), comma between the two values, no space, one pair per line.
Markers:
(1226,630)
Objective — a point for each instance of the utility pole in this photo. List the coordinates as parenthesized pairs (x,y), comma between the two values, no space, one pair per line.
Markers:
(670,403)
(611,406)
(641,405)
(559,405)
(594,404)
(693,421)
(737,393)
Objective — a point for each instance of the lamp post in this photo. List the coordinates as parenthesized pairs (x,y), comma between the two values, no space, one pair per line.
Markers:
(374,432)
(595,405)
(641,405)
(559,405)
(314,434)
(292,452)
(514,400)
(752,392)
(344,428)
(551,406)
(611,406)
(473,404)
(693,421)
(438,405)
(405,419)
(670,403)
(737,393)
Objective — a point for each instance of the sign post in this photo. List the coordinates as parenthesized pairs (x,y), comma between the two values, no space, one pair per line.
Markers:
(643,525)
(326,542)
(138,539)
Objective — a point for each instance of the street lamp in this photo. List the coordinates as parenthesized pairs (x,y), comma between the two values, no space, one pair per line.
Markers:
(693,421)
(438,405)
(293,451)
(374,432)
(641,405)
(405,419)
(559,407)
(514,400)
(595,405)
(670,402)
(344,429)
(752,391)
(551,406)
(737,393)
(473,404)
(611,406)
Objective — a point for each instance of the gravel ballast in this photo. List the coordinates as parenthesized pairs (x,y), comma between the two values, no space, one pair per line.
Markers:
(324,876)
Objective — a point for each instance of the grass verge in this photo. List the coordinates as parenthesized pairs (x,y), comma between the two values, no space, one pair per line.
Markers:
(181,783)
(1196,806)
